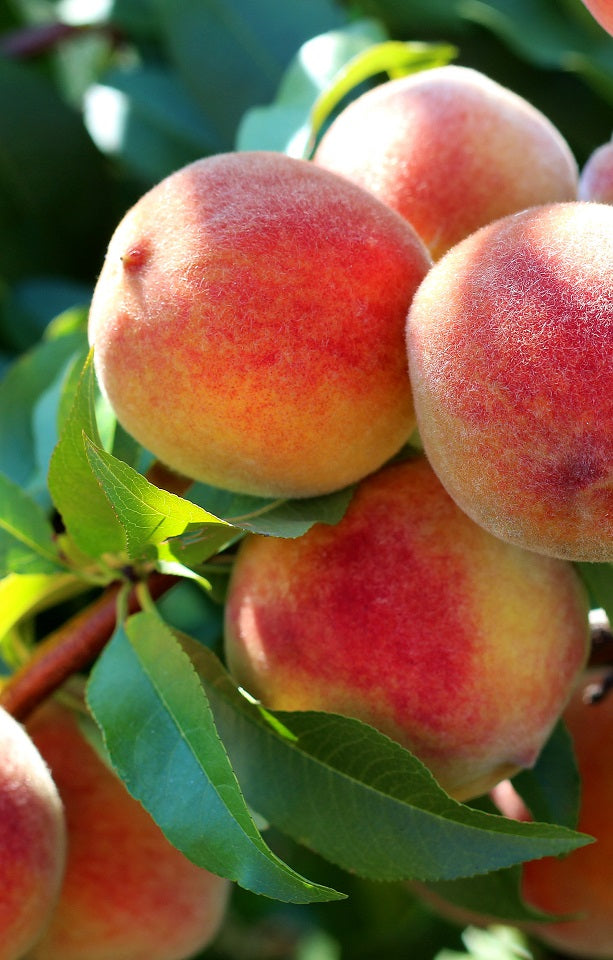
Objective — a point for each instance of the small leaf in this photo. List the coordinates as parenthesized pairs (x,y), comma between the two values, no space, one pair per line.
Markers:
(276,518)
(150,515)
(393,57)
(385,816)
(160,734)
(86,512)
(26,536)
(552,789)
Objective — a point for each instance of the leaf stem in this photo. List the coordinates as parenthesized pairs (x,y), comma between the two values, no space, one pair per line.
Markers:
(72,647)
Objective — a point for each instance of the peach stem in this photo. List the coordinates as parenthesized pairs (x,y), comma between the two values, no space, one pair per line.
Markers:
(72,647)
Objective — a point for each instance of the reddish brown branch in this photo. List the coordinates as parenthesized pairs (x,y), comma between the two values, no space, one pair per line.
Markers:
(71,648)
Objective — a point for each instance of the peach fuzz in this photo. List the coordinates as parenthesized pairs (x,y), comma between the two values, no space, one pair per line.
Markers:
(596,178)
(451,150)
(602,11)
(248,325)
(580,884)
(510,343)
(409,616)
(128,894)
(32,841)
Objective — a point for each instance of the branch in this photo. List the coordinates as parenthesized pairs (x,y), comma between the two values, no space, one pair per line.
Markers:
(71,648)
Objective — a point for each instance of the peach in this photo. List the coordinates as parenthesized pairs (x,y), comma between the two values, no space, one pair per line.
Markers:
(128,894)
(581,884)
(409,616)
(596,179)
(32,841)
(248,325)
(602,11)
(510,342)
(451,150)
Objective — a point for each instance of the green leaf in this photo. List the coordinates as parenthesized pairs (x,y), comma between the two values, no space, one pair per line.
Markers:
(238,48)
(544,34)
(284,124)
(385,816)
(160,127)
(86,512)
(552,789)
(20,390)
(496,896)
(598,580)
(276,518)
(26,536)
(23,595)
(53,185)
(150,515)
(160,734)
(393,57)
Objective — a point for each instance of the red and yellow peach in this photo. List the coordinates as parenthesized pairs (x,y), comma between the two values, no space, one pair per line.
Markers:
(411,617)
(451,150)
(248,325)
(32,841)
(510,342)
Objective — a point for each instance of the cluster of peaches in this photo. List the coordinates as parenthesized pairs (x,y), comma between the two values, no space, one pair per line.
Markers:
(424,311)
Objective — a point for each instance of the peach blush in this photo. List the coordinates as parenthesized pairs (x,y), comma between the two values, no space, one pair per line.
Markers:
(510,343)
(451,150)
(409,616)
(248,325)
(32,841)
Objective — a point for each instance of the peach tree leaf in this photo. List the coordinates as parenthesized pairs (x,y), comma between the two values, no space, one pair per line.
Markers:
(151,516)
(275,518)
(394,57)
(161,737)
(20,390)
(26,536)
(86,511)
(358,798)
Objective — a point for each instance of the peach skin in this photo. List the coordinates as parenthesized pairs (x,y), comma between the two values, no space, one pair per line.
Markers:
(128,894)
(451,150)
(32,841)
(596,178)
(409,616)
(510,343)
(248,325)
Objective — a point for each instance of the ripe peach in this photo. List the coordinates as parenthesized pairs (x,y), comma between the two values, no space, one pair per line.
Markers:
(596,179)
(451,150)
(32,841)
(409,616)
(580,884)
(128,894)
(602,11)
(510,342)
(248,325)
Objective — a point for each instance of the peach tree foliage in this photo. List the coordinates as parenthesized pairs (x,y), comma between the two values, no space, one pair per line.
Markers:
(206,757)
